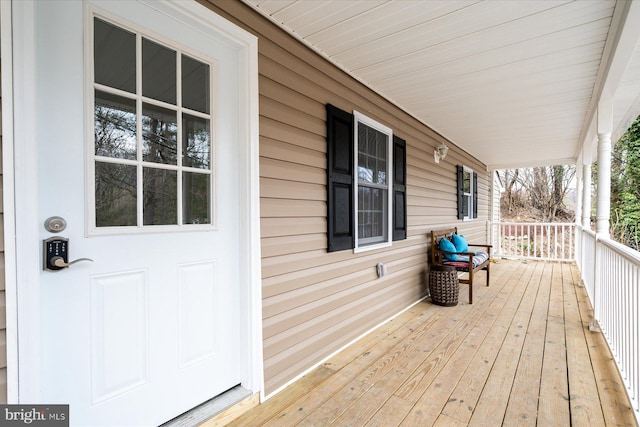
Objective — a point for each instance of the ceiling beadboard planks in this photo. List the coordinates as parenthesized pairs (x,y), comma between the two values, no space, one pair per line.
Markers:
(494,77)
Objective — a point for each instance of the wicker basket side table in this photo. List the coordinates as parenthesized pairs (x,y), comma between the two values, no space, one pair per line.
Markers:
(444,286)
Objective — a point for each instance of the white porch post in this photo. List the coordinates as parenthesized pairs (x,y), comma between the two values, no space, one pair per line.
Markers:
(604,184)
(605,125)
(577,247)
(579,191)
(586,196)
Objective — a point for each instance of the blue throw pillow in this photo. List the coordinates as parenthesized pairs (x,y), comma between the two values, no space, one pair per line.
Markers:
(446,245)
(460,243)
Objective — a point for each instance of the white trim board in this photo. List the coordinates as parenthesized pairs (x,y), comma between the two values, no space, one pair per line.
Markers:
(10,268)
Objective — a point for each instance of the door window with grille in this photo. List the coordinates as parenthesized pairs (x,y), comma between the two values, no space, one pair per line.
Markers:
(152,123)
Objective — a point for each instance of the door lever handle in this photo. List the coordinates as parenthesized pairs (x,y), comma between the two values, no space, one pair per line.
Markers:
(58,261)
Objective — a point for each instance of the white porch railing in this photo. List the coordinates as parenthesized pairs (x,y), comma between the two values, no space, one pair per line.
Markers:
(615,297)
(542,241)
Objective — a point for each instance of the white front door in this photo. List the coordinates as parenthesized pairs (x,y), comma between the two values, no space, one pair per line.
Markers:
(137,127)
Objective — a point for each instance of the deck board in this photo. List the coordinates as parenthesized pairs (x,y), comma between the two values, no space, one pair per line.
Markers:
(524,394)
(583,392)
(521,354)
(464,398)
(553,406)
(493,401)
(439,393)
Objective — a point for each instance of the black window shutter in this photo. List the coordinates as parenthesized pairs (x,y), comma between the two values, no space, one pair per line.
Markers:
(475,195)
(460,184)
(340,218)
(399,188)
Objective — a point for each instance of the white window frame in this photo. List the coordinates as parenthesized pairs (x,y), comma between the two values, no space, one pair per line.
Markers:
(366,246)
(468,215)
(91,228)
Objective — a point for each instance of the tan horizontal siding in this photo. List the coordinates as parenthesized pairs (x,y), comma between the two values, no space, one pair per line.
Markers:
(3,348)
(298,261)
(292,226)
(315,302)
(283,113)
(273,130)
(3,364)
(295,359)
(312,322)
(276,89)
(320,276)
(273,149)
(277,208)
(275,246)
(3,385)
(3,314)
(287,171)
(279,189)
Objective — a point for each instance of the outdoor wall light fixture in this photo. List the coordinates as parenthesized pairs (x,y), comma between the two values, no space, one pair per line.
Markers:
(440,153)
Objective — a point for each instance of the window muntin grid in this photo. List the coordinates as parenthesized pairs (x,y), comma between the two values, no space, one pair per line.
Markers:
(153,146)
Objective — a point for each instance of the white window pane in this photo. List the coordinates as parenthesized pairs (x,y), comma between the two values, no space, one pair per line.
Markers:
(160,193)
(114,56)
(116,195)
(466,206)
(114,126)
(196,198)
(372,224)
(159,135)
(196,142)
(466,182)
(372,155)
(158,72)
(195,85)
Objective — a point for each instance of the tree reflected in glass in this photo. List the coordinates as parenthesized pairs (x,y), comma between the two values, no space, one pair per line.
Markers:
(114,126)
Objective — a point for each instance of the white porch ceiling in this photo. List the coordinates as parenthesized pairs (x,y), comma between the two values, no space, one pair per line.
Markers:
(514,83)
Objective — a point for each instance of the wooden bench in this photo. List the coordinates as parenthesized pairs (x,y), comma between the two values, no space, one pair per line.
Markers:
(437,258)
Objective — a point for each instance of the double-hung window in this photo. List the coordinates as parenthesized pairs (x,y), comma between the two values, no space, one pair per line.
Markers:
(467,185)
(373,204)
(366,183)
(467,193)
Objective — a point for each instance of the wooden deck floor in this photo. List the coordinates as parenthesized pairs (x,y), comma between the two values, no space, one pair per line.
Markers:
(521,354)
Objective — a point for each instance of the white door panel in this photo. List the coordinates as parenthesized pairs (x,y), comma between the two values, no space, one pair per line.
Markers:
(150,328)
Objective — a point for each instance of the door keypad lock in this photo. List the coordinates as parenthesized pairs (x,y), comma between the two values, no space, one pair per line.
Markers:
(56,254)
